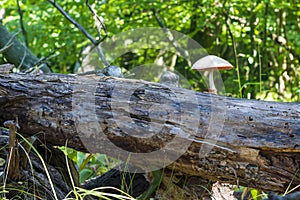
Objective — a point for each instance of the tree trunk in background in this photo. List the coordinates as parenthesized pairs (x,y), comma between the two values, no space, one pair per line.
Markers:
(17,53)
(247,142)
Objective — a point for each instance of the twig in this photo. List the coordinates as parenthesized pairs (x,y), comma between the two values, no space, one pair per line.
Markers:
(38,65)
(6,47)
(45,59)
(9,42)
(170,37)
(102,56)
(99,49)
(20,11)
(97,17)
(24,56)
(63,12)
(95,42)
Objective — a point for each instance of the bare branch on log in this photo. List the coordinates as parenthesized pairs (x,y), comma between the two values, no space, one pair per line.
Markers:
(94,42)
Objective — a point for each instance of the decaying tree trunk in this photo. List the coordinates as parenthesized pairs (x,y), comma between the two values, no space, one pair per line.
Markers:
(246,142)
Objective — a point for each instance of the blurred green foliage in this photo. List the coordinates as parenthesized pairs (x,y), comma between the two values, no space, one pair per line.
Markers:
(90,165)
(265,33)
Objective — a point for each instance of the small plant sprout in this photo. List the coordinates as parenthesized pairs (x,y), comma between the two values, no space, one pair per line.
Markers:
(210,63)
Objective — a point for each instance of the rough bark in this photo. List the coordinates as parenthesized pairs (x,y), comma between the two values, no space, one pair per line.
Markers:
(258,145)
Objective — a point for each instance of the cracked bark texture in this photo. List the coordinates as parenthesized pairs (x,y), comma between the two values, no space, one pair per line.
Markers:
(238,141)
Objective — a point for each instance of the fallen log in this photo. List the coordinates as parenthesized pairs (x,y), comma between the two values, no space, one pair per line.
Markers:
(247,142)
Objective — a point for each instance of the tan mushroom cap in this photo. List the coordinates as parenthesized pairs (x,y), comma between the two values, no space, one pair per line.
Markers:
(211,62)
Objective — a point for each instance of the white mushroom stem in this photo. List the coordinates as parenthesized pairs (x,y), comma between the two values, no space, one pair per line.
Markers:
(212,88)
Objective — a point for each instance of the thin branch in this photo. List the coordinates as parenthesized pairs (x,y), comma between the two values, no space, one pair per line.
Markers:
(99,49)
(102,56)
(39,64)
(97,18)
(6,47)
(15,52)
(23,58)
(63,12)
(24,32)
(42,61)
(9,42)
(170,37)
(45,59)
(95,42)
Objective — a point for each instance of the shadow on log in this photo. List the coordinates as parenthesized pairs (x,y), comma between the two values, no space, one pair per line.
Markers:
(238,141)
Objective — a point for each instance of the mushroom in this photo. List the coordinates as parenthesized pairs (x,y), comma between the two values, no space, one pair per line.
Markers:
(210,63)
